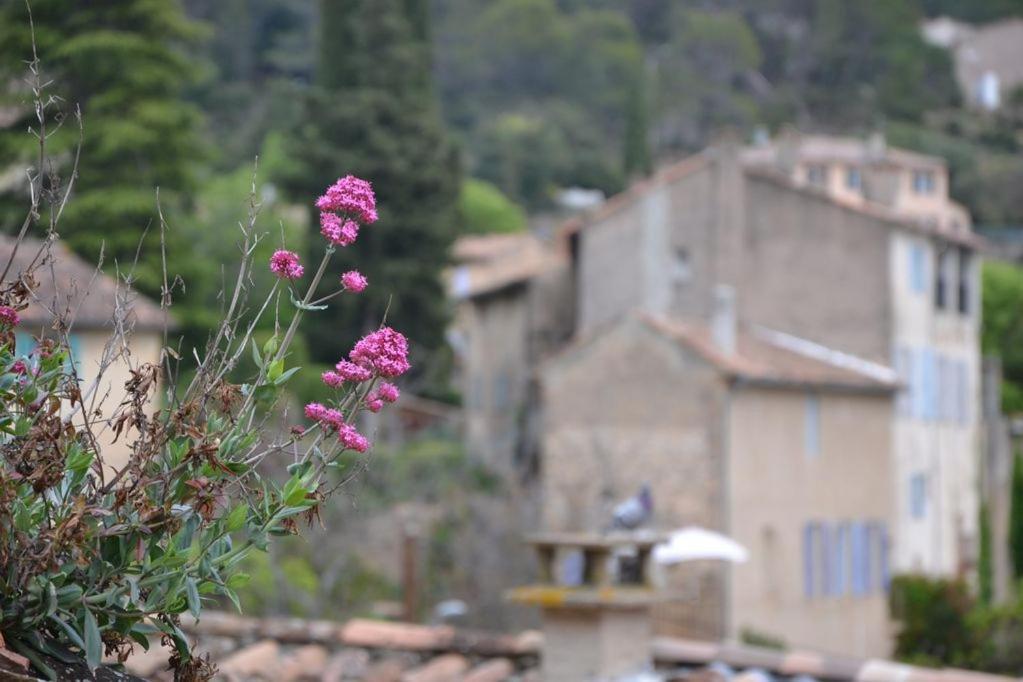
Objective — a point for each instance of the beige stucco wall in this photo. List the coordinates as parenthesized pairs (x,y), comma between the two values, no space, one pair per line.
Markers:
(946,451)
(775,488)
(144,347)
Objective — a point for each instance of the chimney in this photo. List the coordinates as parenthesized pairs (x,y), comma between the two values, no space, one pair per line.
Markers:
(723,320)
(877,146)
(595,598)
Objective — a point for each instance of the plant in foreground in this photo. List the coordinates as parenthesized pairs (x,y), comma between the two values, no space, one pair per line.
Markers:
(96,558)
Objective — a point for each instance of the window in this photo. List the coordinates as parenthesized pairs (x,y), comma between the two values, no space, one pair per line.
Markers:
(860,560)
(924,182)
(853,178)
(918,496)
(681,268)
(840,561)
(810,549)
(812,426)
(941,273)
(917,268)
(904,368)
(817,174)
(844,558)
(965,273)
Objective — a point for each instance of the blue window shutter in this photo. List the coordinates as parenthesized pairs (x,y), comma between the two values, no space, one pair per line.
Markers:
(826,541)
(859,559)
(23,343)
(959,398)
(840,562)
(809,551)
(917,385)
(75,347)
(812,426)
(917,268)
(871,579)
(918,495)
(886,576)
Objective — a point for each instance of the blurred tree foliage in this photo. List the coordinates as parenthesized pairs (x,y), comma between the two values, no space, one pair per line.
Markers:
(372,113)
(126,63)
(941,623)
(486,210)
(1002,332)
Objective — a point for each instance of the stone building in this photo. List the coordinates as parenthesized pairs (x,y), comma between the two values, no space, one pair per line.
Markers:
(71,287)
(988,64)
(842,253)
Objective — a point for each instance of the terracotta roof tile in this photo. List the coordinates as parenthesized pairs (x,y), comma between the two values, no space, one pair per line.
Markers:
(260,659)
(763,356)
(446,668)
(73,284)
(493,670)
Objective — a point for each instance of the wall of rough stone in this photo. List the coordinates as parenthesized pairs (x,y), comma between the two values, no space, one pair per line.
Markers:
(816,270)
(628,408)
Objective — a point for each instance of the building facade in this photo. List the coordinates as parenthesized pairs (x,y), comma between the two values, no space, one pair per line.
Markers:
(90,299)
(846,253)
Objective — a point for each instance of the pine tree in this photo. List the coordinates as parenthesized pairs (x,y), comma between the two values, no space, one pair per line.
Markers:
(124,62)
(1016,518)
(374,115)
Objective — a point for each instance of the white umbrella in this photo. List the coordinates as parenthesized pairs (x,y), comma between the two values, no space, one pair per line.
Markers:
(692,544)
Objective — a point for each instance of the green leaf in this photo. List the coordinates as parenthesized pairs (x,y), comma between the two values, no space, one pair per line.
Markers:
(236,519)
(295,497)
(70,631)
(271,346)
(286,375)
(238,580)
(192,594)
(275,370)
(93,641)
(256,357)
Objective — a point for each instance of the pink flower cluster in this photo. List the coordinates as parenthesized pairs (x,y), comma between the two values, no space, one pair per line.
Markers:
(9,316)
(354,281)
(337,230)
(350,196)
(385,393)
(385,351)
(285,264)
(333,420)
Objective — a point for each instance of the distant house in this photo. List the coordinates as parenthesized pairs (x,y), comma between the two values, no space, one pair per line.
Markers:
(839,254)
(71,287)
(988,58)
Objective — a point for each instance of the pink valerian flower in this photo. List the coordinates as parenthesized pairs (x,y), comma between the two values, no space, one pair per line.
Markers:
(374,403)
(385,351)
(9,316)
(337,230)
(285,264)
(349,371)
(333,379)
(354,281)
(352,439)
(316,412)
(19,367)
(388,392)
(350,196)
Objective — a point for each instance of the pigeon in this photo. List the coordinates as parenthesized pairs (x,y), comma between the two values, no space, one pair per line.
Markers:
(635,511)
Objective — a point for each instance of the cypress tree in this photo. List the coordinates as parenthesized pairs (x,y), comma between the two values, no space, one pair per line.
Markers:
(985,576)
(124,62)
(1016,518)
(373,114)
(636,139)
